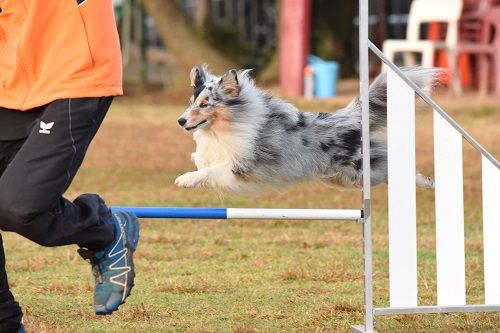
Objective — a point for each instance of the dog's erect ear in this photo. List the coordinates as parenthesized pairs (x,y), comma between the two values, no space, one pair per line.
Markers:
(229,83)
(198,75)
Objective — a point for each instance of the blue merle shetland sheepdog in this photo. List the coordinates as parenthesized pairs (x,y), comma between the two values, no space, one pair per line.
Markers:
(247,140)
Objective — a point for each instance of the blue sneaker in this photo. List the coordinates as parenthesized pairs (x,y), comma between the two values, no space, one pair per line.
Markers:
(113,267)
(21,329)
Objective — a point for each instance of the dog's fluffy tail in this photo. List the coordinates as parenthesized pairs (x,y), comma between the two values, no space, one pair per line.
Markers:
(425,78)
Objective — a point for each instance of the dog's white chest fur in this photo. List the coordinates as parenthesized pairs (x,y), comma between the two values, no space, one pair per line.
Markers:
(217,149)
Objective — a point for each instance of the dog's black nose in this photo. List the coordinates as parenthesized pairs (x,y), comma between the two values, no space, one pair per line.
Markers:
(182,121)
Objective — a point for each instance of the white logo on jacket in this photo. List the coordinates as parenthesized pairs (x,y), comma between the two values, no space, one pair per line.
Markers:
(45,127)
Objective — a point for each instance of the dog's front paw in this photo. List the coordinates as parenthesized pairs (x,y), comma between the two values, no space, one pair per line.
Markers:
(190,179)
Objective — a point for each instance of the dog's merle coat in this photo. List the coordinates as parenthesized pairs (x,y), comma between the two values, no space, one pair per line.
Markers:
(264,141)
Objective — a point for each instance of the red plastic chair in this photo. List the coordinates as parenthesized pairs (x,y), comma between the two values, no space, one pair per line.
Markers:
(482,40)
(469,30)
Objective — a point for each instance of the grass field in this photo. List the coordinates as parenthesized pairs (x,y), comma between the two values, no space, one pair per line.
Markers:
(241,276)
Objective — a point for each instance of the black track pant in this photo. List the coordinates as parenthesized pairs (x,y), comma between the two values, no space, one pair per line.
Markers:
(35,172)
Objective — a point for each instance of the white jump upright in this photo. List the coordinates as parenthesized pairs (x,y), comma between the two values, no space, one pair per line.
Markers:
(449,200)
(401,192)
(491,231)
(449,203)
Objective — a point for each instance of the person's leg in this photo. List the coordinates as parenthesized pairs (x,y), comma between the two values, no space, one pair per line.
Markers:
(31,202)
(10,311)
(32,186)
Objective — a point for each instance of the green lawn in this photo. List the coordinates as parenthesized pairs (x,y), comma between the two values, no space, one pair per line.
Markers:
(240,276)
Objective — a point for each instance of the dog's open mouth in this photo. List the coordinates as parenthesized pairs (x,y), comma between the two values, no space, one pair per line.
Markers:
(196,126)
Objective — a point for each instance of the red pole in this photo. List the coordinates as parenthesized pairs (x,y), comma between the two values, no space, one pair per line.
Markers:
(295,41)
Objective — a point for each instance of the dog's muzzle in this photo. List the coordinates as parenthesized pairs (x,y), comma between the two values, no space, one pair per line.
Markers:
(196,126)
(182,122)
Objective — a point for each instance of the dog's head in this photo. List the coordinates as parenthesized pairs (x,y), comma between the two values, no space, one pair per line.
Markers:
(211,100)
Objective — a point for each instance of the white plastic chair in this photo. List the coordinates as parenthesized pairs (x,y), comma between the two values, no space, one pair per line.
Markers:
(426,11)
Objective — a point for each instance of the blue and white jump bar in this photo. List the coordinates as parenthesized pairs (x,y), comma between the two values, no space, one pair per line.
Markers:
(242,213)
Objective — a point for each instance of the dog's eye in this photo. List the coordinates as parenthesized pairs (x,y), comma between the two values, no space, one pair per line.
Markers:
(203,105)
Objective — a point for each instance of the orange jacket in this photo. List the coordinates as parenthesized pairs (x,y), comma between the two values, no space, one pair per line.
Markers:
(52,49)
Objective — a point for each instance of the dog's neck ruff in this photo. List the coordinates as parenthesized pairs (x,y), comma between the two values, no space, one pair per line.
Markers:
(219,148)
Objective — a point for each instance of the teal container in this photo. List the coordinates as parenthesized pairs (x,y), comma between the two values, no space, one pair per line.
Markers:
(325,76)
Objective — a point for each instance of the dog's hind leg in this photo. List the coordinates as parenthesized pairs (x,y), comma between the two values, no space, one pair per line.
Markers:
(424,181)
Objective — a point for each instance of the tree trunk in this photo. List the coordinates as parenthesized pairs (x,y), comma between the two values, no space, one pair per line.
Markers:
(185,47)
